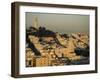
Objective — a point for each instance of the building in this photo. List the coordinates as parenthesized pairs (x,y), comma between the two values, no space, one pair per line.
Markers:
(30,59)
(53,52)
(42,61)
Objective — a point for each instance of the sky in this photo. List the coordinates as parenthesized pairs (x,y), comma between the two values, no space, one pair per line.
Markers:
(62,23)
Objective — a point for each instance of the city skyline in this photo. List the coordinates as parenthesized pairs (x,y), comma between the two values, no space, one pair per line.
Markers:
(56,39)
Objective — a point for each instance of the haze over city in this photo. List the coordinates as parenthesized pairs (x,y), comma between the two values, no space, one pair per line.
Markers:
(62,23)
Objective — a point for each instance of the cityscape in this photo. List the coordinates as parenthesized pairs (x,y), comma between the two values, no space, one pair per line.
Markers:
(47,48)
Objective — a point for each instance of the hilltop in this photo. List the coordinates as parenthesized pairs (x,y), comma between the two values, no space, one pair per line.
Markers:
(54,45)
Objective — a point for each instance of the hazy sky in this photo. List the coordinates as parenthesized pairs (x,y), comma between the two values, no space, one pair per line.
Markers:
(63,23)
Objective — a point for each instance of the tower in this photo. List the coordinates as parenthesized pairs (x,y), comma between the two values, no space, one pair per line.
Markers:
(35,22)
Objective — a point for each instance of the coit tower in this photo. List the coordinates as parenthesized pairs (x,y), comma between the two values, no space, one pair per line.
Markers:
(35,22)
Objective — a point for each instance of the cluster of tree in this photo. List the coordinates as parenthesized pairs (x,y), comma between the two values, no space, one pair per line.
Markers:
(64,35)
(30,31)
(82,51)
(41,32)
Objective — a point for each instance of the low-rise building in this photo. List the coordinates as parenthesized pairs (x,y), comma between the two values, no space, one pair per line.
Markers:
(29,58)
(42,61)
